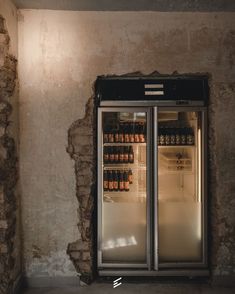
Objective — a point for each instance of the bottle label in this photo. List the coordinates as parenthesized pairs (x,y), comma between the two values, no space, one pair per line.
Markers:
(111,138)
(177,139)
(121,138)
(106,157)
(167,140)
(126,185)
(132,138)
(106,185)
(172,139)
(111,185)
(127,138)
(116,157)
(116,137)
(121,157)
(162,140)
(126,157)
(131,158)
(130,178)
(106,138)
(111,157)
(137,138)
(121,186)
(183,139)
(115,185)
(142,138)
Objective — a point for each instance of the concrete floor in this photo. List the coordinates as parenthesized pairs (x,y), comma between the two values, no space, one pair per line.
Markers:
(132,288)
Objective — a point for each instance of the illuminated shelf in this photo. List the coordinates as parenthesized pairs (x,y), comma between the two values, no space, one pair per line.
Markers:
(175,146)
(124,144)
(124,166)
(124,193)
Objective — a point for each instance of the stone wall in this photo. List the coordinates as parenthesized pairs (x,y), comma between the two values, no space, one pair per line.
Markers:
(9,246)
(81,147)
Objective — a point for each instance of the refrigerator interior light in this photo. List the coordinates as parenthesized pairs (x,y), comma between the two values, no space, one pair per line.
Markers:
(120,242)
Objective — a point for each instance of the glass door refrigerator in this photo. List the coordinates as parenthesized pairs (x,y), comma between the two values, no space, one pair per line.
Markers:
(151,161)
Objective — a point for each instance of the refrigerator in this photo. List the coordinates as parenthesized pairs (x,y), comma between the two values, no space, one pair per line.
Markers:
(152,176)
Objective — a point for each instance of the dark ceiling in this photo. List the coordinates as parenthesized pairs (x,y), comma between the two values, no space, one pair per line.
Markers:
(129,5)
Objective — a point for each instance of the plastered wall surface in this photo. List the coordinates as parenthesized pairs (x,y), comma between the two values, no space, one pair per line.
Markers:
(60,55)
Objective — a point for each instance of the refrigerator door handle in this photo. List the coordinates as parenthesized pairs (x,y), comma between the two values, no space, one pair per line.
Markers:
(155,184)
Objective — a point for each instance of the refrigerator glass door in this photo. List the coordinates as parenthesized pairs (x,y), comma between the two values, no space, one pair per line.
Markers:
(180,205)
(122,166)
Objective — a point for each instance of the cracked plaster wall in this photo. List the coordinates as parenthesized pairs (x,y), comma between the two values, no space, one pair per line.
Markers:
(60,55)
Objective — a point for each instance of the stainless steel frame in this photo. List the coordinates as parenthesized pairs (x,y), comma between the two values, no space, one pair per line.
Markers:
(152,108)
(100,187)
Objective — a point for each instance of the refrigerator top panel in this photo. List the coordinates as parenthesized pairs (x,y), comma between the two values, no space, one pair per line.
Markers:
(163,90)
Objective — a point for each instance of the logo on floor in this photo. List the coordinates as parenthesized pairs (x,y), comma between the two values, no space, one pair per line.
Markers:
(117,282)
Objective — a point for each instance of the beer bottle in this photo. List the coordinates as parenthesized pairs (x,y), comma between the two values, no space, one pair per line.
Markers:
(141,134)
(121,181)
(116,155)
(131,155)
(172,136)
(167,136)
(161,136)
(126,181)
(110,176)
(106,181)
(137,138)
(121,133)
(115,181)
(132,136)
(116,136)
(126,157)
(111,154)
(106,154)
(183,136)
(126,133)
(130,176)
(106,136)
(190,136)
(121,154)
(111,135)
(177,136)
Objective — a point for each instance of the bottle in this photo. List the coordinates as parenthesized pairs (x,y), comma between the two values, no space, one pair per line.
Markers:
(121,154)
(177,136)
(106,154)
(121,133)
(172,136)
(130,176)
(132,135)
(126,181)
(137,139)
(111,154)
(183,136)
(116,154)
(126,157)
(167,136)
(106,136)
(161,136)
(141,134)
(126,133)
(116,136)
(106,180)
(110,177)
(121,181)
(131,155)
(115,181)
(111,135)
(190,136)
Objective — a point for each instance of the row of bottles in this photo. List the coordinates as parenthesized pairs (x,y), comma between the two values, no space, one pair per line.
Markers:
(118,154)
(126,132)
(175,136)
(117,180)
